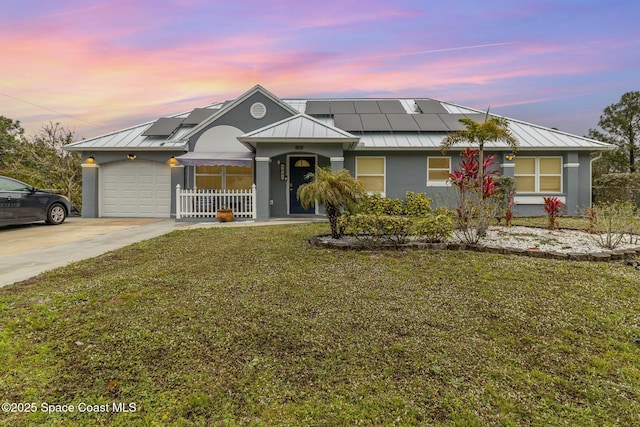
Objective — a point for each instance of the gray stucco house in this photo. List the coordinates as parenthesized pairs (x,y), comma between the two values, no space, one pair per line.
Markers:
(391,145)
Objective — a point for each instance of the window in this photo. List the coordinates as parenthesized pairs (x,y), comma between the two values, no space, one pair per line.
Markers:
(538,174)
(224,177)
(7,184)
(438,169)
(370,171)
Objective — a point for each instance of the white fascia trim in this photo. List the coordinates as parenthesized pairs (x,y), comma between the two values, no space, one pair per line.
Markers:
(572,165)
(263,159)
(90,165)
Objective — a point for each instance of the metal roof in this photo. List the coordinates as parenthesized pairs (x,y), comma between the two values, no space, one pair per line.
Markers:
(299,127)
(434,127)
(135,138)
(396,131)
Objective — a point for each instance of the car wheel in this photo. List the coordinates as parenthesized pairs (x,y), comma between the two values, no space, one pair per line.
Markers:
(56,215)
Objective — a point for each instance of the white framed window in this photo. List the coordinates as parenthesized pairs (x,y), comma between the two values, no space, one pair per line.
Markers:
(438,170)
(371,172)
(221,177)
(538,174)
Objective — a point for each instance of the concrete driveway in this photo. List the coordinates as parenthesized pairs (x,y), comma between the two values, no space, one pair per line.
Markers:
(28,250)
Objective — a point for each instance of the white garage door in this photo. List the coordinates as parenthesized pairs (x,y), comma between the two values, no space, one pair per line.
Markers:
(135,189)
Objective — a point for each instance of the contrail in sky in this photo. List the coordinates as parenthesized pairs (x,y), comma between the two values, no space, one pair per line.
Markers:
(425,52)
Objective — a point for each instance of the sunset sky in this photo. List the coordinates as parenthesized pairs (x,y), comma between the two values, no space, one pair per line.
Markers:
(99,66)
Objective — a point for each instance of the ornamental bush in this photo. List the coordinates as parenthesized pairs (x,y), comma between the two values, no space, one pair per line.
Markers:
(374,230)
(375,204)
(417,204)
(434,228)
(552,206)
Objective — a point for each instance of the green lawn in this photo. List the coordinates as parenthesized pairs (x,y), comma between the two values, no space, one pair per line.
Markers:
(252,326)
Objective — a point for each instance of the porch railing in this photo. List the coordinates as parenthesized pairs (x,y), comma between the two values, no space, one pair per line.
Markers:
(204,203)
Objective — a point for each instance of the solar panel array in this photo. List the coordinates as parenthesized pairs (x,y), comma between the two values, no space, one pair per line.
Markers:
(389,115)
(198,115)
(164,126)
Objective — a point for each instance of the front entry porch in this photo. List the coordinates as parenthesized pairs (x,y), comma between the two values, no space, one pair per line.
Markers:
(204,204)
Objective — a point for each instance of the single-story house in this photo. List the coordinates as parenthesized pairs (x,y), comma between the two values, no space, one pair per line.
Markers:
(260,147)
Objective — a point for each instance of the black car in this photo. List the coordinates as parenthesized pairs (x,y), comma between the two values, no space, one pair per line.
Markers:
(23,203)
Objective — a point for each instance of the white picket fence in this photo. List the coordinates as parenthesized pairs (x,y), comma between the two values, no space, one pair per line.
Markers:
(204,203)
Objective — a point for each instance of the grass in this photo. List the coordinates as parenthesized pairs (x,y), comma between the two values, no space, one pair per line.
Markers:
(252,326)
(572,222)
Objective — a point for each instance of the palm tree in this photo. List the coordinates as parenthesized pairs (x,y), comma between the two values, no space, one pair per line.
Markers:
(336,190)
(493,129)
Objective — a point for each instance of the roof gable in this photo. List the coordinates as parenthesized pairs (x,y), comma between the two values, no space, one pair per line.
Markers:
(230,107)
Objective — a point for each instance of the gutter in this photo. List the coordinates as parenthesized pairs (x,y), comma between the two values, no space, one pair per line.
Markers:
(599,156)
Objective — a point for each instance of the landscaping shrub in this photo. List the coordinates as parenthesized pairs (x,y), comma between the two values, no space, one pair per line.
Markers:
(622,187)
(552,206)
(434,228)
(378,220)
(506,190)
(477,205)
(417,204)
(611,222)
(375,204)
(377,229)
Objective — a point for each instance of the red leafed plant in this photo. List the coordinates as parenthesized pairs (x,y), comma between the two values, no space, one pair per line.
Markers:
(466,176)
(476,206)
(552,206)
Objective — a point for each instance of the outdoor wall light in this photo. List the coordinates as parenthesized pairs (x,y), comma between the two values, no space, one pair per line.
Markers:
(172,161)
(91,159)
(510,156)
(131,156)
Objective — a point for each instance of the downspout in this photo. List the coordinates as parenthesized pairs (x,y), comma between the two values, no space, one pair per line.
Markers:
(591,176)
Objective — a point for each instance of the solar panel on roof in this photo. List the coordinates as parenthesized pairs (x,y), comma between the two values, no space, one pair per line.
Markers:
(402,122)
(430,123)
(342,107)
(431,106)
(318,107)
(391,106)
(348,122)
(197,116)
(163,126)
(367,107)
(479,117)
(375,122)
(452,121)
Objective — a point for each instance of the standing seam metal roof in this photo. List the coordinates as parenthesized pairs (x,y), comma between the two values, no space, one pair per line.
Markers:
(529,136)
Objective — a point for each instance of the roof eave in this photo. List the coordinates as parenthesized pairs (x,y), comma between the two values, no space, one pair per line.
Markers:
(138,149)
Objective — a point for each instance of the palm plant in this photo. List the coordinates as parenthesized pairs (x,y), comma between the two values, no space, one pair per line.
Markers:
(493,129)
(336,190)
(477,208)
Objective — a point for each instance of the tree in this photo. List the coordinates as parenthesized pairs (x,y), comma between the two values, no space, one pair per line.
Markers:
(40,160)
(620,125)
(336,190)
(11,134)
(476,206)
(64,168)
(493,129)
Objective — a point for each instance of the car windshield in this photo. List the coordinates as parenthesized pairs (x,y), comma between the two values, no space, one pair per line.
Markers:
(11,185)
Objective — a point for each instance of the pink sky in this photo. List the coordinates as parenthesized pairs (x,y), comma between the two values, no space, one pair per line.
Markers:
(99,66)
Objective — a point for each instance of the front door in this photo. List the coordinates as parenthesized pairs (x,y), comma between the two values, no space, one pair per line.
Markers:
(299,167)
